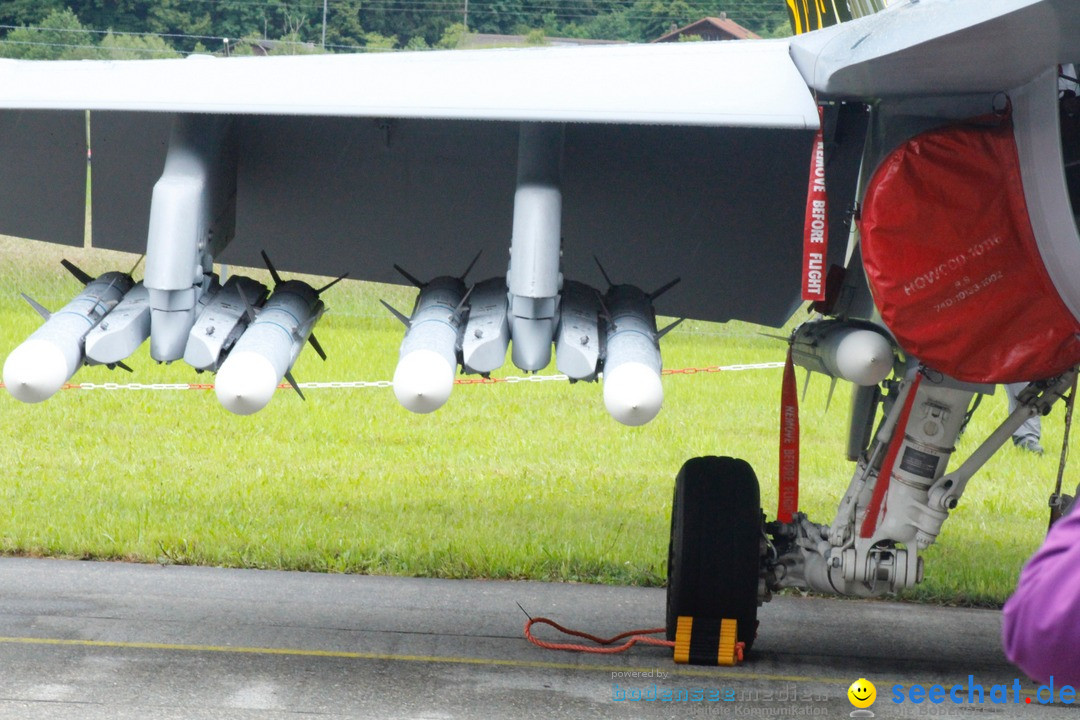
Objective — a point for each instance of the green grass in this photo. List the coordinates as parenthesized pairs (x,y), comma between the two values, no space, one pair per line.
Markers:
(506,481)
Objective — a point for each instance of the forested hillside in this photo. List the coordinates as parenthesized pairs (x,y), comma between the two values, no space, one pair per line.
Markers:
(155,28)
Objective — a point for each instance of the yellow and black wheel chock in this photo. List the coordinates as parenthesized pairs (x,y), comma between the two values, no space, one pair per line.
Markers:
(707,641)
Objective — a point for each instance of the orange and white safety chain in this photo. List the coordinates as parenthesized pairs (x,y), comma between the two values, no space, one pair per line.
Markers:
(352,384)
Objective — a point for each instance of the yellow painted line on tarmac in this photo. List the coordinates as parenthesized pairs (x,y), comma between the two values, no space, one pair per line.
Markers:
(458,660)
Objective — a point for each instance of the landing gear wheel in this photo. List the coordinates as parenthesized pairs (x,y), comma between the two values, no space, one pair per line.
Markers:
(714,558)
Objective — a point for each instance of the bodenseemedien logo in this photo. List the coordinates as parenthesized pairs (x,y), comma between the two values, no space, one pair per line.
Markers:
(862,695)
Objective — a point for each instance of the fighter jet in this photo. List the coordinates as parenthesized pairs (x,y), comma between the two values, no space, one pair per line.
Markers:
(912,172)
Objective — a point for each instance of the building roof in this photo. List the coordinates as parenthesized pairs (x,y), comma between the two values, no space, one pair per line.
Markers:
(710,28)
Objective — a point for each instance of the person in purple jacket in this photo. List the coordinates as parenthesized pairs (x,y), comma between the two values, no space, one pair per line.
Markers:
(1041,621)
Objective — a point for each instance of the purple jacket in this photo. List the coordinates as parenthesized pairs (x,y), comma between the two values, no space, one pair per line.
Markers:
(1041,623)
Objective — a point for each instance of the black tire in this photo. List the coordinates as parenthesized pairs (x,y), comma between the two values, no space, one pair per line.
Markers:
(714,557)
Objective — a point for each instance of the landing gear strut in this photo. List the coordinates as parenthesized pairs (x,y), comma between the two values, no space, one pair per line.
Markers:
(724,561)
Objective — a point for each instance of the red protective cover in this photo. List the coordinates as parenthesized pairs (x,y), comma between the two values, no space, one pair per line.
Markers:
(952,261)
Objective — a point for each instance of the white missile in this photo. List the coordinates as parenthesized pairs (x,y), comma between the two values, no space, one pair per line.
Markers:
(265,353)
(633,393)
(35,370)
(248,379)
(423,380)
(424,375)
(864,357)
(40,366)
(855,353)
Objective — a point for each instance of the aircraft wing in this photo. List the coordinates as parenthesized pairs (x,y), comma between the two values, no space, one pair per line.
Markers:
(679,160)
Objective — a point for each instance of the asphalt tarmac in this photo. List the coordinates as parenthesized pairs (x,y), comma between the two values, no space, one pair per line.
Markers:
(112,640)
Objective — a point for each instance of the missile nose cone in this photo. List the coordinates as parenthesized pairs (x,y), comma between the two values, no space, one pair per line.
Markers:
(633,393)
(35,370)
(423,381)
(246,382)
(864,357)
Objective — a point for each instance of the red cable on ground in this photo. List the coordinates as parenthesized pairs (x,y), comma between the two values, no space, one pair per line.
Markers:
(636,636)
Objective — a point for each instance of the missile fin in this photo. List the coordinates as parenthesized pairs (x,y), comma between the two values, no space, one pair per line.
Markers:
(664,288)
(828,401)
(40,309)
(464,299)
(806,386)
(469,269)
(331,284)
(404,320)
(270,267)
(77,272)
(603,272)
(318,347)
(669,328)
(292,381)
(131,272)
(118,364)
(411,278)
(775,337)
(248,309)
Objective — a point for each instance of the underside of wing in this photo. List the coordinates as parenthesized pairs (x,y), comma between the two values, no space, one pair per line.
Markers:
(687,160)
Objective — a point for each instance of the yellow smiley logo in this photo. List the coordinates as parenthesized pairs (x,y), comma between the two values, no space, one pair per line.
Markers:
(862,693)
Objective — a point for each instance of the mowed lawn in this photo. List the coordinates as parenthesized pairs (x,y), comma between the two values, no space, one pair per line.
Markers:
(525,480)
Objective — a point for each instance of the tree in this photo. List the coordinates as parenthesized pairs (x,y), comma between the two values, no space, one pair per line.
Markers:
(120,15)
(452,37)
(60,36)
(135,47)
(609,26)
(174,17)
(344,31)
(27,12)
(294,44)
(378,43)
(653,18)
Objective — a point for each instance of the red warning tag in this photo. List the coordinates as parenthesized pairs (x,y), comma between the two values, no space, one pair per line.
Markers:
(816,227)
(788,503)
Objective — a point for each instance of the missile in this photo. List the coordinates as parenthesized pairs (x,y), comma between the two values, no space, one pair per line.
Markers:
(854,352)
(222,322)
(428,359)
(123,331)
(268,348)
(632,390)
(487,331)
(577,338)
(37,368)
